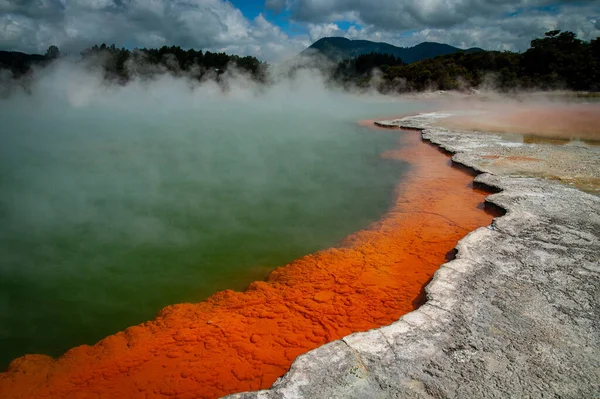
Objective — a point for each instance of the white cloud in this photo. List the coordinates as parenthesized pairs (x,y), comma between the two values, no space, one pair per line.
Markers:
(317,31)
(217,25)
(507,31)
(399,15)
(213,25)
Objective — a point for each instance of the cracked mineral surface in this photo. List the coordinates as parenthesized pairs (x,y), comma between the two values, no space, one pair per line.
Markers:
(516,314)
(238,341)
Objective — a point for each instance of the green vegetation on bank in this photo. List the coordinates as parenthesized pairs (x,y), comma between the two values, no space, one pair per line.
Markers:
(119,64)
(559,60)
(173,59)
(362,65)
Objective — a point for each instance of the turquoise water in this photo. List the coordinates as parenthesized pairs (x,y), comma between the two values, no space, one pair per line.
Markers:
(117,205)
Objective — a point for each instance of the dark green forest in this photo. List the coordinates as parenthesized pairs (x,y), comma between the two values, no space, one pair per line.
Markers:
(362,65)
(173,59)
(119,64)
(559,60)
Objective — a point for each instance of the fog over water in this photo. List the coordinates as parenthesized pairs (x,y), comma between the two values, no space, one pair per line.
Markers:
(118,200)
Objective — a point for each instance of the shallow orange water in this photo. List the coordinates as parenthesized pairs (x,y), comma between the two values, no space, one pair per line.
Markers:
(551,120)
(237,341)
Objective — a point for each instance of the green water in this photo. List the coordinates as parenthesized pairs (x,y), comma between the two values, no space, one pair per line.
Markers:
(112,208)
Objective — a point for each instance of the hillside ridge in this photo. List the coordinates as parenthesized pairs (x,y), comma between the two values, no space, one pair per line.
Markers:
(340,48)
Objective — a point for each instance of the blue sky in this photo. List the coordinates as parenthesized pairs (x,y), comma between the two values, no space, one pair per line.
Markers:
(251,8)
(274,30)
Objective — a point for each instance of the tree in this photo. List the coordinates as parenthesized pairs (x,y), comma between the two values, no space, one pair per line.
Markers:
(560,57)
(53,52)
(174,59)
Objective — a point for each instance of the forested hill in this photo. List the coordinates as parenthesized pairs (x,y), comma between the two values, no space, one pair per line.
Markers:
(119,64)
(559,60)
(340,48)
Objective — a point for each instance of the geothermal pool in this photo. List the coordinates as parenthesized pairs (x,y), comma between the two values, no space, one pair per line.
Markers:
(117,202)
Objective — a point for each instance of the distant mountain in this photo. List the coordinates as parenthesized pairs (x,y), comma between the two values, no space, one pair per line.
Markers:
(340,48)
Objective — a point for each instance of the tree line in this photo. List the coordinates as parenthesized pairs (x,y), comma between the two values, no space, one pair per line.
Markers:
(120,64)
(559,60)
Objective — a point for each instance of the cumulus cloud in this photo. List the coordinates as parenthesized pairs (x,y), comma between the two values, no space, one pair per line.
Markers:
(33,25)
(505,28)
(218,25)
(277,5)
(411,14)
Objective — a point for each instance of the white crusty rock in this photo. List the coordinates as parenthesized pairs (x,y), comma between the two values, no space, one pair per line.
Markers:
(516,314)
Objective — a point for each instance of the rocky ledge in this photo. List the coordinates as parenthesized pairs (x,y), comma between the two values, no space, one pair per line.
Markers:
(516,314)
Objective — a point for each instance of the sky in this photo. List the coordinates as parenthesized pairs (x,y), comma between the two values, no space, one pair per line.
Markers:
(274,30)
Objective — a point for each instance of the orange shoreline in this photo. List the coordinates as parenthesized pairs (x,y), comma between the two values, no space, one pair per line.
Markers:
(239,341)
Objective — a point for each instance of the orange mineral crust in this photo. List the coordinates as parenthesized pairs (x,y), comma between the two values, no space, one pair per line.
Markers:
(238,341)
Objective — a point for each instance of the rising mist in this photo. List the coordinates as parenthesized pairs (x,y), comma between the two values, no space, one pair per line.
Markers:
(117,200)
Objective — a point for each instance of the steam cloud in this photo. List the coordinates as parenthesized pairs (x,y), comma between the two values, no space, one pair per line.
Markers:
(117,200)
(102,185)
